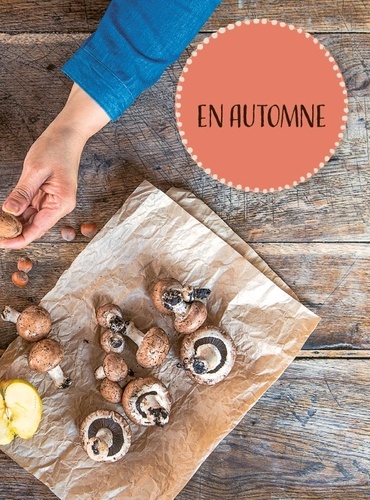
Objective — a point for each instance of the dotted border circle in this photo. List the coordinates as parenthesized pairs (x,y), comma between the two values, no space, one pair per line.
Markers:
(223,30)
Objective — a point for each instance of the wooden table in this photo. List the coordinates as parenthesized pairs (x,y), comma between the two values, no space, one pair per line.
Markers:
(309,435)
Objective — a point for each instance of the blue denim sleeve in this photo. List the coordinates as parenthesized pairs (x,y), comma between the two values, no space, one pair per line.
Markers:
(136,40)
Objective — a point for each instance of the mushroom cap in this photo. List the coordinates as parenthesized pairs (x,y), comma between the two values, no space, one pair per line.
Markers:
(115,367)
(10,226)
(34,323)
(111,342)
(110,316)
(107,313)
(192,319)
(159,289)
(113,421)
(153,348)
(134,395)
(111,391)
(220,342)
(45,355)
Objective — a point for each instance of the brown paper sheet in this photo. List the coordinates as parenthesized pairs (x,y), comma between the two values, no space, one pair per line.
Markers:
(153,237)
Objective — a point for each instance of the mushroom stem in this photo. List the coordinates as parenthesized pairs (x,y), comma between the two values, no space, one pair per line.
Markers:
(10,314)
(190,293)
(117,324)
(173,301)
(59,379)
(105,435)
(100,373)
(99,444)
(206,359)
(116,341)
(134,333)
(152,407)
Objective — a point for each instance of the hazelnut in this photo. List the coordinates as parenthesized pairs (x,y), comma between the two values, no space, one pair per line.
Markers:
(24,264)
(68,233)
(89,229)
(10,226)
(20,279)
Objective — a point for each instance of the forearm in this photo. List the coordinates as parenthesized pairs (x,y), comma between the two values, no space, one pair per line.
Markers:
(133,45)
(80,118)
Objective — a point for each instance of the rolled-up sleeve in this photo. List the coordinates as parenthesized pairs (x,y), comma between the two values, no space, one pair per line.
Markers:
(136,40)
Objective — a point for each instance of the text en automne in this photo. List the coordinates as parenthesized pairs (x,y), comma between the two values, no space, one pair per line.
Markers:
(261,115)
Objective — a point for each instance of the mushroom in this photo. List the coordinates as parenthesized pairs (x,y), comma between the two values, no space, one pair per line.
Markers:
(208,355)
(192,319)
(45,356)
(33,324)
(111,391)
(170,296)
(111,342)
(147,402)
(110,316)
(114,368)
(105,436)
(153,346)
(10,226)
(185,302)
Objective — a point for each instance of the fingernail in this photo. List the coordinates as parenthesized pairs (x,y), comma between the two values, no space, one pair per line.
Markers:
(11,206)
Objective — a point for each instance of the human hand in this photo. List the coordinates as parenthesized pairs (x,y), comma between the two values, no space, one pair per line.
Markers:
(46,190)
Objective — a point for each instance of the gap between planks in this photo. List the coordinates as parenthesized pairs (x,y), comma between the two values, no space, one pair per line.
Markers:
(321,353)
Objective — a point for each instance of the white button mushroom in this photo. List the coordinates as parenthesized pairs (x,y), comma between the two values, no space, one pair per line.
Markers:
(105,436)
(184,302)
(208,355)
(147,402)
(153,346)
(33,324)
(45,356)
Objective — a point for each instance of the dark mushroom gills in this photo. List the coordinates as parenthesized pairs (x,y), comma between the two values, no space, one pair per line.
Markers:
(105,436)
(147,402)
(208,355)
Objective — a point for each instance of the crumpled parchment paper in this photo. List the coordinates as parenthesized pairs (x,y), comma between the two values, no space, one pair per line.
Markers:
(156,235)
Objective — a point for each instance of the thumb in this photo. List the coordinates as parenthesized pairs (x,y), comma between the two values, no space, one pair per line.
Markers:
(21,196)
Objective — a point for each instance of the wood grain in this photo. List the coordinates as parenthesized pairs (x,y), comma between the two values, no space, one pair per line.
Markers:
(83,16)
(144,144)
(332,281)
(306,438)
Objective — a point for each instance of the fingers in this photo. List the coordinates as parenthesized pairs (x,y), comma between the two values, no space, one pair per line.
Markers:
(22,195)
(38,224)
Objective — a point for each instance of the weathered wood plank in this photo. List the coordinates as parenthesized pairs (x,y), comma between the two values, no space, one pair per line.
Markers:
(334,354)
(331,279)
(306,438)
(321,353)
(17,484)
(49,262)
(83,16)
(144,143)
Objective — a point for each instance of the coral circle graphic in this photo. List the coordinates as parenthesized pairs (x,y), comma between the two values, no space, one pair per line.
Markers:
(261,105)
